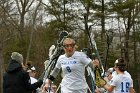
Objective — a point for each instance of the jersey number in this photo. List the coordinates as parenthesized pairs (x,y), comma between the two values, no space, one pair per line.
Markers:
(126,86)
(68,69)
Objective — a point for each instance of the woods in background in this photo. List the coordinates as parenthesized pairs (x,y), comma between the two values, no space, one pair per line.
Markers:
(32,26)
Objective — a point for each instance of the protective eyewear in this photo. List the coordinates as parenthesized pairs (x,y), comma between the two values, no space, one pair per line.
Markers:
(69,45)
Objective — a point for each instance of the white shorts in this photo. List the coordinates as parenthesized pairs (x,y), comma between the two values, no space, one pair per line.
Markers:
(65,90)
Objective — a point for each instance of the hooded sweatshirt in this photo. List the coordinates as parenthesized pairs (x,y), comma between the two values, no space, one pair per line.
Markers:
(17,80)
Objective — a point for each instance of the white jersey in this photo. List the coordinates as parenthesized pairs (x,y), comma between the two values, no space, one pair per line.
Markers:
(125,72)
(73,70)
(121,83)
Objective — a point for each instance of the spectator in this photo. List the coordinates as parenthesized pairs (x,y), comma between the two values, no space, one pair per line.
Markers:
(32,73)
(16,79)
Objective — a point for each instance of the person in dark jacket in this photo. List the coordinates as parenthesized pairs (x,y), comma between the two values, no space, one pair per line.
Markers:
(16,79)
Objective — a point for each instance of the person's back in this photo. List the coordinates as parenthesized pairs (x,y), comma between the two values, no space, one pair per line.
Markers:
(125,72)
(17,80)
(122,83)
(12,79)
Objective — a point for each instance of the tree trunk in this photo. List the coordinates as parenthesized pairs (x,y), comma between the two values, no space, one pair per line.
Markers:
(1,70)
(135,46)
(126,48)
(103,23)
(32,31)
(129,25)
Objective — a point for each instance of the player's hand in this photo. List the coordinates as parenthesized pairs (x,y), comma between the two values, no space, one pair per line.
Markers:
(45,87)
(96,63)
(97,91)
(47,84)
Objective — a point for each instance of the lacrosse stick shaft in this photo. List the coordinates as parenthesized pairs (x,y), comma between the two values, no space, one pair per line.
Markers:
(57,89)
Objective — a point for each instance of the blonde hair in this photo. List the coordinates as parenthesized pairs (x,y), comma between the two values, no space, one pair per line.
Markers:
(69,39)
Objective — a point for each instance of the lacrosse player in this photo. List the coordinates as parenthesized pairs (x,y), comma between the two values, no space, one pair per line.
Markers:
(72,64)
(120,83)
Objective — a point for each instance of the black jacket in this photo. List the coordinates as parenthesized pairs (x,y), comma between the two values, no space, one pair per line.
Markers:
(17,80)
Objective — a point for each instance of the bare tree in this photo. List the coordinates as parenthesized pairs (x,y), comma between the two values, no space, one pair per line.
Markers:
(34,16)
(23,7)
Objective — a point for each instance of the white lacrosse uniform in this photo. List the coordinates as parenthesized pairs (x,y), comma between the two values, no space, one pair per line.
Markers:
(73,72)
(125,72)
(122,83)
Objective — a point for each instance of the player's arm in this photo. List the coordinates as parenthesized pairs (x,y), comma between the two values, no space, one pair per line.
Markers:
(93,64)
(109,88)
(131,90)
(52,76)
(54,73)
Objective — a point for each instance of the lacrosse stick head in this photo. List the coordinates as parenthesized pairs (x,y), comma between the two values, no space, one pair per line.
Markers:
(45,63)
(51,50)
(62,35)
(99,81)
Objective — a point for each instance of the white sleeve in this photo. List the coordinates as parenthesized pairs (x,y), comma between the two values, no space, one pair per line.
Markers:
(58,64)
(85,59)
(131,83)
(128,74)
(113,81)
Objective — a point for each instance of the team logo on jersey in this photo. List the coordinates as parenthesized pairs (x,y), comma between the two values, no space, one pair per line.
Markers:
(69,62)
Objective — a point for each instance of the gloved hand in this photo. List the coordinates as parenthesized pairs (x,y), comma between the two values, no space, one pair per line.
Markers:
(40,82)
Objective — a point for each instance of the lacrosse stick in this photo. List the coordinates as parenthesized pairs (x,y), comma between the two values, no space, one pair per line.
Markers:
(94,46)
(54,53)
